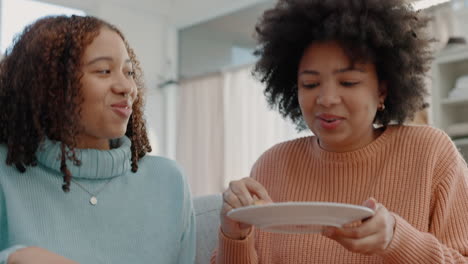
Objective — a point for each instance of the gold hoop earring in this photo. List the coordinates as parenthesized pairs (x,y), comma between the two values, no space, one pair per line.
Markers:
(381,107)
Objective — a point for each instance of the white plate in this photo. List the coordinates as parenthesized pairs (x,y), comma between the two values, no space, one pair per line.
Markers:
(299,217)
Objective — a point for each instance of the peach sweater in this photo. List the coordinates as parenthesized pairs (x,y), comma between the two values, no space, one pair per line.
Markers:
(416,172)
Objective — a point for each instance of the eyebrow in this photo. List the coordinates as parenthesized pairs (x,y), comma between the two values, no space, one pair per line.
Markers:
(104,58)
(349,69)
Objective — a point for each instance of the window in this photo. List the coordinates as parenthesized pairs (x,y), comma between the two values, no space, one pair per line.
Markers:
(17,14)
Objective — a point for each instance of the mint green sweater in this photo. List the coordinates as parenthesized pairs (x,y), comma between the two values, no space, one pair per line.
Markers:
(142,217)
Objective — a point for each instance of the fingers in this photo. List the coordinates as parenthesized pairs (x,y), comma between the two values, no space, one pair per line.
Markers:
(371,203)
(242,192)
(231,199)
(366,245)
(371,236)
(364,230)
(257,189)
(226,208)
(368,227)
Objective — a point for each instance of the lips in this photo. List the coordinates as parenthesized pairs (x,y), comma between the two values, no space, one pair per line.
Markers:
(122,109)
(122,104)
(329,121)
(329,117)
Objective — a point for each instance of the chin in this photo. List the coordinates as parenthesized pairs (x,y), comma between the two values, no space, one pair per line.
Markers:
(117,134)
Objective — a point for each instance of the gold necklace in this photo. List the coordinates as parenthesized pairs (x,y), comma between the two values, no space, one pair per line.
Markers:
(93,199)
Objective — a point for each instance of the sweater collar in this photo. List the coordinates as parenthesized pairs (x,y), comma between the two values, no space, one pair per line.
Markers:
(95,164)
(367,152)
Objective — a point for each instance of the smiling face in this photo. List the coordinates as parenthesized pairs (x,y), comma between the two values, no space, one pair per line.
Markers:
(338,102)
(108,90)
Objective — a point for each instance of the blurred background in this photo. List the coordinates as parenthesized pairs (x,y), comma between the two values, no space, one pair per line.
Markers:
(204,108)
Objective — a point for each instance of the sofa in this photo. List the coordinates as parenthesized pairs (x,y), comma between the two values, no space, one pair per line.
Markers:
(207,210)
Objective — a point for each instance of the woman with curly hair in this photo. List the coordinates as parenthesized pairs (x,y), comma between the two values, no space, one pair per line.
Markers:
(352,72)
(77,186)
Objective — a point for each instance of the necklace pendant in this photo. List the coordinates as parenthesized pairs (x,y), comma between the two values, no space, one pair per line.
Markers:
(93,200)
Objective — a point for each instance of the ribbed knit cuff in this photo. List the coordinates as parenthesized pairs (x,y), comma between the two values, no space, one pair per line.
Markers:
(408,245)
(237,251)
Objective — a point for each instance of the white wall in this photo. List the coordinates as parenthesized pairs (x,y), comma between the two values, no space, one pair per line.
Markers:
(207,52)
(202,53)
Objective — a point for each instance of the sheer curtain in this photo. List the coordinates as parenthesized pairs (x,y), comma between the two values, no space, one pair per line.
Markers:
(224,126)
(250,126)
(200,133)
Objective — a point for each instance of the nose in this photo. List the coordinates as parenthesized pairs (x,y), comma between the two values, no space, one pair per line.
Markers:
(328,95)
(124,85)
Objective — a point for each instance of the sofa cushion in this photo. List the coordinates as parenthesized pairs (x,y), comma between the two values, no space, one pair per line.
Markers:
(207,210)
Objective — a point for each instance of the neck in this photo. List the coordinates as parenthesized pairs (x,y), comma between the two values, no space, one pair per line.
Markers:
(92,143)
(363,141)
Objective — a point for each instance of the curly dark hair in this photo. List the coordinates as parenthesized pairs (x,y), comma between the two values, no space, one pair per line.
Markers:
(388,33)
(40,93)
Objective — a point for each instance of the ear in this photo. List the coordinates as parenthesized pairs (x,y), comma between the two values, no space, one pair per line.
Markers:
(382,91)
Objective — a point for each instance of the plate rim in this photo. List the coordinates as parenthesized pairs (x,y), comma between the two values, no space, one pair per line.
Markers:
(302,203)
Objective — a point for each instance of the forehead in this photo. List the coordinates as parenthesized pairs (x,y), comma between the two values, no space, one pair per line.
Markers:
(106,43)
(321,52)
(330,55)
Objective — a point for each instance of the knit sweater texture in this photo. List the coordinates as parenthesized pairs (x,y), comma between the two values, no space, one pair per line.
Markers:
(415,172)
(142,217)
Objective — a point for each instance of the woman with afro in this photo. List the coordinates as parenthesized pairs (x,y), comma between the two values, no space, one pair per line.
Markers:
(76,185)
(352,72)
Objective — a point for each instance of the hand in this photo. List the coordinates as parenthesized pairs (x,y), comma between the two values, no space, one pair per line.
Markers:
(240,193)
(36,255)
(371,237)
